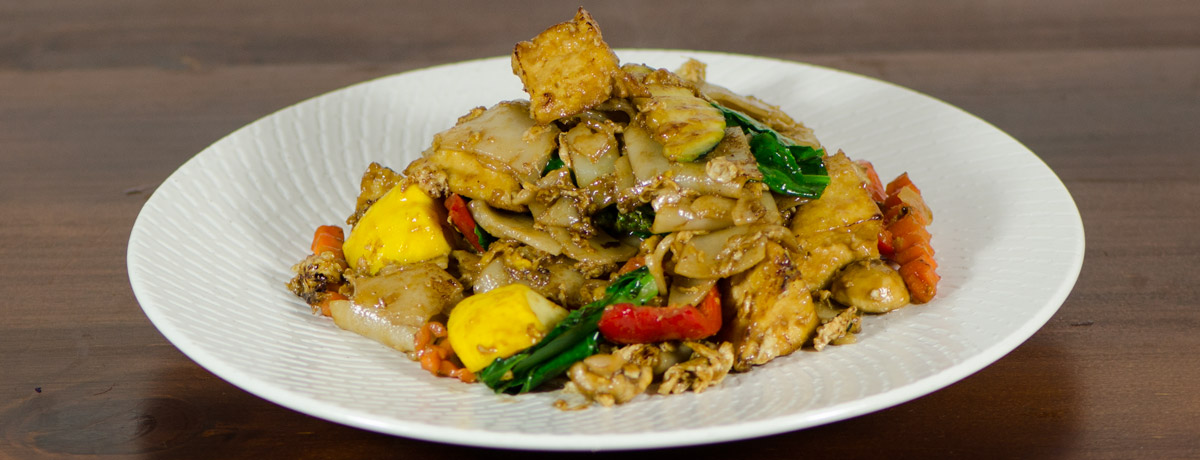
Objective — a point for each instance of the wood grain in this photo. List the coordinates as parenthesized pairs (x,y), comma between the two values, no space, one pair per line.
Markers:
(101,101)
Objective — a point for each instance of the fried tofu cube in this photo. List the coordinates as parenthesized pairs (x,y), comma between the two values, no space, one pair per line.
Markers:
(566,69)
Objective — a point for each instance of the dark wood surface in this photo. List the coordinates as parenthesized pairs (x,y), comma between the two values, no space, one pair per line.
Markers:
(101,100)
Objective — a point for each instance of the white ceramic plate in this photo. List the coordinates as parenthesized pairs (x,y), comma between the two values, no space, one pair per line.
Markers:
(234,218)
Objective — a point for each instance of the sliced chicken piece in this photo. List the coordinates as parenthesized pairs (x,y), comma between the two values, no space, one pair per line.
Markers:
(839,228)
(773,311)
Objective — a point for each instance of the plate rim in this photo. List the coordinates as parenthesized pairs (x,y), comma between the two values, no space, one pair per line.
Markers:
(735,430)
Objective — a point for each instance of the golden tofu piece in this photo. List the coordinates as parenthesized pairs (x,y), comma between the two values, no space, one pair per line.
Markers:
(566,69)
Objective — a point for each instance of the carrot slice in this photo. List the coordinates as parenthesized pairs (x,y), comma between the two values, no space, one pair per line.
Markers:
(899,182)
(423,338)
(893,214)
(431,362)
(436,355)
(908,231)
(428,334)
(908,240)
(463,374)
(921,279)
(324,303)
(328,238)
(910,201)
(915,252)
(906,215)
(874,185)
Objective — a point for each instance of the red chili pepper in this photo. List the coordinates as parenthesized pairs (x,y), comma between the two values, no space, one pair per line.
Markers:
(627,323)
(886,248)
(461,217)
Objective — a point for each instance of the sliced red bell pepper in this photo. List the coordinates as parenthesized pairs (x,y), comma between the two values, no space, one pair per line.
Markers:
(627,323)
(460,216)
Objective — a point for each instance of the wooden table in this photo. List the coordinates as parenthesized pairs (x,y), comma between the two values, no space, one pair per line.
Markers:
(100,101)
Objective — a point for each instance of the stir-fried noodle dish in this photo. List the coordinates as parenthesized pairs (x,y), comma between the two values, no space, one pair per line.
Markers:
(626,230)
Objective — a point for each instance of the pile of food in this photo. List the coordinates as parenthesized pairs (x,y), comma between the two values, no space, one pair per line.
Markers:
(627,229)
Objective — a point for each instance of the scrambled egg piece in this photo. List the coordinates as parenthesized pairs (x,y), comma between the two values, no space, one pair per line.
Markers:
(403,227)
(566,69)
(500,323)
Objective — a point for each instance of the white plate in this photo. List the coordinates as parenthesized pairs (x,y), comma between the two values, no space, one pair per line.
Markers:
(210,253)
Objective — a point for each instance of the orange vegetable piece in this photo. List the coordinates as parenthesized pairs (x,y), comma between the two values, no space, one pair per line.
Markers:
(874,185)
(324,304)
(328,238)
(431,362)
(909,201)
(906,215)
(921,279)
(899,182)
(427,334)
(463,374)
(436,355)
(908,231)
(632,264)
(915,252)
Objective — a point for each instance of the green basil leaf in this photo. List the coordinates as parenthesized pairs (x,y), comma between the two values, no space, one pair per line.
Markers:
(485,238)
(554,163)
(787,167)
